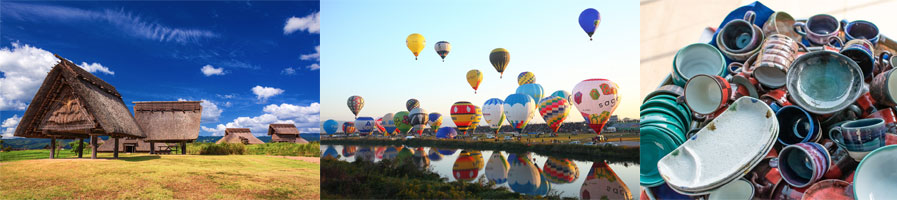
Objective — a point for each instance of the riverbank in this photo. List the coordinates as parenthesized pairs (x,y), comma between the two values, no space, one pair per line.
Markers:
(607,153)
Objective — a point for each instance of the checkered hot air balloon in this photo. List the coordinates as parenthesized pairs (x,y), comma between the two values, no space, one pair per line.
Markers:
(554,111)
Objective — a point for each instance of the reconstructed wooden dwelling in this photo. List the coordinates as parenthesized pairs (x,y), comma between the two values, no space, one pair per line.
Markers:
(285,133)
(239,135)
(73,103)
(132,145)
(168,122)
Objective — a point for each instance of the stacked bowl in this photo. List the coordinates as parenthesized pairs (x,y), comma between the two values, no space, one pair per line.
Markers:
(663,124)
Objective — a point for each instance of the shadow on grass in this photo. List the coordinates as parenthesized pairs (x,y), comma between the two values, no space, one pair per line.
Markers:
(140,158)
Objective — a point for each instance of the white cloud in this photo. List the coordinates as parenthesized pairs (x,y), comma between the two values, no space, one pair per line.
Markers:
(225,96)
(210,111)
(209,70)
(94,67)
(263,93)
(24,68)
(288,71)
(314,56)
(9,126)
(128,23)
(310,23)
(304,117)
(313,67)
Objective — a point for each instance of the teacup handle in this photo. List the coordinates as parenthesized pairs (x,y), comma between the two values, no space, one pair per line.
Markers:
(799,28)
(735,67)
(883,60)
(801,46)
(843,24)
(749,16)
(837,138)
(836,40)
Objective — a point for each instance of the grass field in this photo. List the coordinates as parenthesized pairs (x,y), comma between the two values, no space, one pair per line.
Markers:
(28,175)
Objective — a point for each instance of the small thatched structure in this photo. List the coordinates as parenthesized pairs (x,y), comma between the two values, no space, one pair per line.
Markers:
(285,133)
(72,103)
(168,121)
(134,145)
(239,135)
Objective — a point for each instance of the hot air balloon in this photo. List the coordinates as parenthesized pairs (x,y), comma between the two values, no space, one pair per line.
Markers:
(589,20)
(390,153)
(446,133)
(443,48)
(415,43)
(478,157)
(554,111)
(462,114)
(560,170)
(497,168)
(603,183)
(563,94)
(349,127)
(365,125)
(532,90)
(419,120)
(519,109)
(348,151)
(330,153)
(434,154)
(331,126)
(493,113)
(405,156)
(364,154)
(545,186)
(434,120)
(523,176)
(476,120)
(465,167)
(474,78)
(411,104)
(403,122)
(381,150)
(499,57)
(447,152)
(420,158)
(389,124)
(526,78)
(379,125)
(596,99)
(355,104)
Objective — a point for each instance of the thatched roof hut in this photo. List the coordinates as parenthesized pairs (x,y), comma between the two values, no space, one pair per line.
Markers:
(285,133)
(239,135)
(132,145)
(72,103)
(169,121)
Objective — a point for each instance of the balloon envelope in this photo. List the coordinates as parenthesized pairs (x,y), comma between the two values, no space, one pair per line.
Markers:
(365,125)
(560,170)
(463,114)
(565,95)
(330,153)
(443,48)
(447,152)
(526,78)
(519,109)
(476,120)
(602,182)
(415,43)
(497,168)
(589,20)
(434,154)
(434,120)
(365,154)
(349,151)
(420,158)
(419,119)
(523,176)
(403,121)
(446,133)
(532,90)
(349,127)
(500,57)
(596,100)
(465,167)
(411,104)
(474,78)
(355,104)
(379,125)
(554,110)
(389,123)
(493,113)
(331,126)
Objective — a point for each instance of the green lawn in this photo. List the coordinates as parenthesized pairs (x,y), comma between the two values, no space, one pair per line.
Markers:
(144,176)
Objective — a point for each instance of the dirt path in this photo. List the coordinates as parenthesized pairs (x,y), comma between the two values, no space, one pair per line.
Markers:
(315,160)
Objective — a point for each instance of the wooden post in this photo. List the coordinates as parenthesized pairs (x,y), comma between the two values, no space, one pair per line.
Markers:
(183,148)
(80,147)
(115,148)
(152,147)
(93,146)
(52,148)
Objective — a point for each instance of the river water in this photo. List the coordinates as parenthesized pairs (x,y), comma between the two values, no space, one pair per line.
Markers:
(564,177)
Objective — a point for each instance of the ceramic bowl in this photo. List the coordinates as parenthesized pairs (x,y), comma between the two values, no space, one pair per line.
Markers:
(670,113)
(875,178)
(697,58)
(738,189)
(828,189)
(681,110)
(824,82)
(655,144)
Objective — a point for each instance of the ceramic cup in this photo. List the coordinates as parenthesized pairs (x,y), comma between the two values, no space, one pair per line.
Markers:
(706,94)
(694,59)
(796,125)
(819,29)
(779,96)
(885,62)
(739,36)
(802,164)
(866,104)
(781,23)
(884,88)
(824,82)
(775,57)
(859,137)
(860,29)
(860,52)
(886,114)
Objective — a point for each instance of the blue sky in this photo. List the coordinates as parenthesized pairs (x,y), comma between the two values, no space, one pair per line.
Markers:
(252,63)
(364,52)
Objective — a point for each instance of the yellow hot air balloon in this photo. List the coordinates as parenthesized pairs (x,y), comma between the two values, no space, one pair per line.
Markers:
(415,43)
(526,78)
(500,57)
(474,77)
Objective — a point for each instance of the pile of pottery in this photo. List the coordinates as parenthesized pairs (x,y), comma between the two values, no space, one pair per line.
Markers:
(775,108)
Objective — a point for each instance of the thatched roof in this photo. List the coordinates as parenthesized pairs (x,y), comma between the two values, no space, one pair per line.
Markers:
(140,145)
(169,121)
(285,133)
(72,103)
(239,135)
